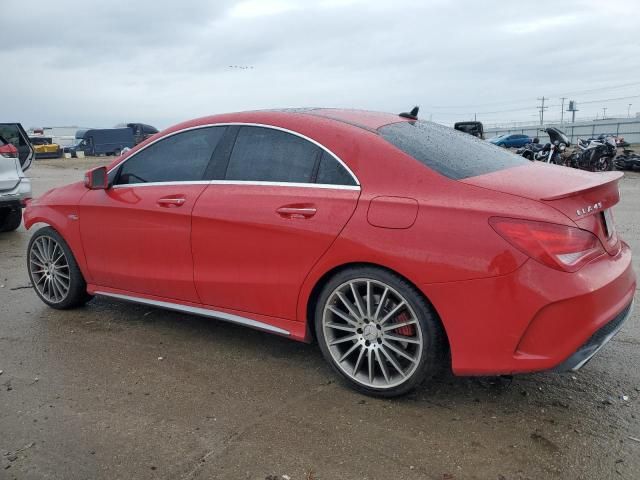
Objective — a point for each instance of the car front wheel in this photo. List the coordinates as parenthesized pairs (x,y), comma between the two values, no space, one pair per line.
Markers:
(378,331)
(53,271)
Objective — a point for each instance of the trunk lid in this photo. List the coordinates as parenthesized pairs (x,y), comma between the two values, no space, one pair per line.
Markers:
(584,197)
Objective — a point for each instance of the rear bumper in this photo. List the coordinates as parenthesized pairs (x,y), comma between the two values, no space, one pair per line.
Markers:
(43,155)
(535,318)
(596,342)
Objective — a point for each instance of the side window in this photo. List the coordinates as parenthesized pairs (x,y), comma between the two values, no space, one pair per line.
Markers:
(269,155)
(331,172)
(179,158)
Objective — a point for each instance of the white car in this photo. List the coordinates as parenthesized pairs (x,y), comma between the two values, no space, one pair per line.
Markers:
(16,154)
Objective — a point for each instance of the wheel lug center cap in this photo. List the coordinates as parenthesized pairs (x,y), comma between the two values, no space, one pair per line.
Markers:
(370,332)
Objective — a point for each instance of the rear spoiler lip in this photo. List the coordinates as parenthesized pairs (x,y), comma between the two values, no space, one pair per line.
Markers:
(599,180)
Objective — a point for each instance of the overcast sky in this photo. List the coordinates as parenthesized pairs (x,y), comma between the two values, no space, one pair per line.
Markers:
(68,62)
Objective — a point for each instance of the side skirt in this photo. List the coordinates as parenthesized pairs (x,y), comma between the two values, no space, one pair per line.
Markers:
(287,328)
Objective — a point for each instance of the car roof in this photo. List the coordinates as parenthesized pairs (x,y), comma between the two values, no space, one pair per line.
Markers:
(364,119)
(369,120)
(309,122)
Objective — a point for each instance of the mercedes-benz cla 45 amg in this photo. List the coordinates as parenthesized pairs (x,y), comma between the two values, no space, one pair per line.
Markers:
(398,245)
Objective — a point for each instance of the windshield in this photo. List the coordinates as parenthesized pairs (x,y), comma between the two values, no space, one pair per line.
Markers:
(449,152)
(556,135)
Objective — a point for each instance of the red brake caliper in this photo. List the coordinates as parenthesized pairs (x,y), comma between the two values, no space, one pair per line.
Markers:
(407,330)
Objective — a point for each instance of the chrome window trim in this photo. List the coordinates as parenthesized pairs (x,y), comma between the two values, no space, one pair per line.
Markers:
(203,312)
(161,184)
(242,182)
(244,124)
(285,184)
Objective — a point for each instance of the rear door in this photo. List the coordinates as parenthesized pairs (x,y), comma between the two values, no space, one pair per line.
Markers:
(137,234)
(279,203)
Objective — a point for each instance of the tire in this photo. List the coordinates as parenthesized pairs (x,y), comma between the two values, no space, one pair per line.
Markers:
(54,272)
(369,360)
(603,164)
(10,219)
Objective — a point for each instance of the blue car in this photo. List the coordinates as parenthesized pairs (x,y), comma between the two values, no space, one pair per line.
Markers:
(513,140)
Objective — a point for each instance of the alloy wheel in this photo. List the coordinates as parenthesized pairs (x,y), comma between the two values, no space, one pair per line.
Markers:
(372,333)
(49,268)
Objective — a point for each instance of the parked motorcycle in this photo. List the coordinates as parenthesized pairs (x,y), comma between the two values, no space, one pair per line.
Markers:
(530,150)
(627,160)
(594,155)
(551,152)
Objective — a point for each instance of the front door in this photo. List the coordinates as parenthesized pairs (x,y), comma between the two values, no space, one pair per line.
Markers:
(136,234)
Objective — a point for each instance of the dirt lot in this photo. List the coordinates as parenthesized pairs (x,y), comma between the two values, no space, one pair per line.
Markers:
(120,391)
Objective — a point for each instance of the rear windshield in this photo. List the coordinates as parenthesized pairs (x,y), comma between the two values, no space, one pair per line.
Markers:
(451,153)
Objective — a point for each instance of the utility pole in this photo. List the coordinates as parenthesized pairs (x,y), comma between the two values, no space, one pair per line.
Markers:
(475,116)
(629,110)
(604,113)
(562,110)
(542,108)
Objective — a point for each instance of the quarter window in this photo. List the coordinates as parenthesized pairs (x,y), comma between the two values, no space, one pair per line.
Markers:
(269,155)
(179,158)
(331,172)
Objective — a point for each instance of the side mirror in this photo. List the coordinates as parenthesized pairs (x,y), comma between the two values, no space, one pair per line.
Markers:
(96,179)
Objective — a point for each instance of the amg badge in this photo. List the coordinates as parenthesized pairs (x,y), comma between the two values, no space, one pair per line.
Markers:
(589,209)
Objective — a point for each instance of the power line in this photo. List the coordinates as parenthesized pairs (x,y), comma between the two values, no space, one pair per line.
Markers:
(530,107)
(610,99)
(601,89)
(511,102)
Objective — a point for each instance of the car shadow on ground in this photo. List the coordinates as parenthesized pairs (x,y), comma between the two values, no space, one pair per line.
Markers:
(193,335)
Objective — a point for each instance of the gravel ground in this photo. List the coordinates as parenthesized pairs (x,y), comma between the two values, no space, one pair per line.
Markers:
(115,390)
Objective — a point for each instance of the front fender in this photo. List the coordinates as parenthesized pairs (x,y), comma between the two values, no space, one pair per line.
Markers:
(58,209)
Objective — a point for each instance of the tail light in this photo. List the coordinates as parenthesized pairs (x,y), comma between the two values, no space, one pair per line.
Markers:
(557,246)
(8,151)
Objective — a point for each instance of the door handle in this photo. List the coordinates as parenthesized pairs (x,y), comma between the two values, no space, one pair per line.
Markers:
(171,202)
(296,212)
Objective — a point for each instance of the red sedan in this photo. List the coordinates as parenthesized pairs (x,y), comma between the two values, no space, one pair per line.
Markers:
(399,245)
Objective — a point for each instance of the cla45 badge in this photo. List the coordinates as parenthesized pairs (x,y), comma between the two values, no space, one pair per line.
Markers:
(589,209)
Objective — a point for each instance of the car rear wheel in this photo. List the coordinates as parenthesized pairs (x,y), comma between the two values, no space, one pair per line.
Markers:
(53,271)
(10,219)
(378,331)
